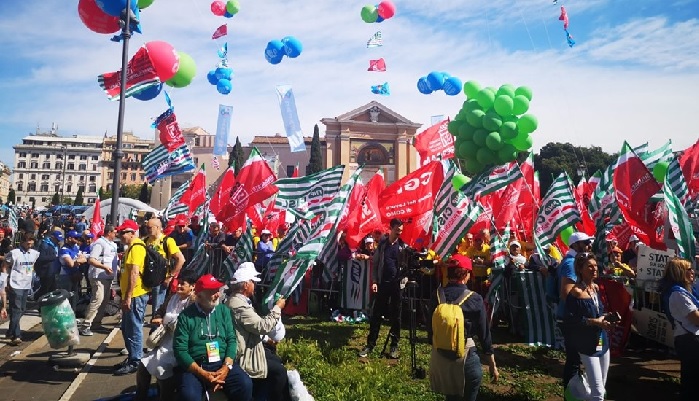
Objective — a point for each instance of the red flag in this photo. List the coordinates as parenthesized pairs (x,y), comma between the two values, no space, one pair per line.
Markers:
(582,199)
(435,143)
(195,195)
(223,193)
(220,31)
(616,299)
(255,183)
(363,220)
(97,225)
(295,174)
(140,75)
(413,194)
(417,230)
(272,218)
(689,161)
(354,203)
(169,131)
(506,205)
(529,198)
(634,186)
(377,65)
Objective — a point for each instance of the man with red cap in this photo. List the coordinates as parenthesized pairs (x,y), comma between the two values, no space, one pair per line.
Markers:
(134,296)
(460,377)
(205,347)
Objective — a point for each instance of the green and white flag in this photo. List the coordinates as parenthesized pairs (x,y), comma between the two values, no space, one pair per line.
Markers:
(674,188)
(306,196)
(662,154)
(295,268)
(498,247)
(200,261)
(538,319)
(558,210)
(491,180)
(174,207)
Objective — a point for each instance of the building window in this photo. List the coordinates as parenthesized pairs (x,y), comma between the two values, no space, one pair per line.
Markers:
(123,176)
(59,166)
(196,161)
(20,176)
(71,166)
(46,165)
(56,188)
(31,187)
(69,188)
(33,165)
(58,176)
(196,141)
(93,188)
(95,158)
(19,199)
(133,176)
(45,176)
(43,199)
(143,177)
(110,175)
(109,187)
(22,165)
(82,178)
(93,178)
(81,187)
(19,186)
(22,154)
(94,167)
(44,187)
(290,170)
(35,155)
(32,176)
(71,157)
(83,157)
(59,156)
(82,167)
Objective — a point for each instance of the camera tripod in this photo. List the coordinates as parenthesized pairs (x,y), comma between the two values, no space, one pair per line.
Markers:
(417,371)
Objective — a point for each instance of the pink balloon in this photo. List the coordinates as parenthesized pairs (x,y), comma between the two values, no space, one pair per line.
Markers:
(164,58)
(95,19)
(218,7)
(386,9)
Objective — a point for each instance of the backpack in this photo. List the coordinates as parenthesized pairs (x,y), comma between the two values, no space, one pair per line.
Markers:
(448,324)
(155,266)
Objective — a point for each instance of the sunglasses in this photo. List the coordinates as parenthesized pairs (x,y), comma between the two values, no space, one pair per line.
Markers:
(585,255)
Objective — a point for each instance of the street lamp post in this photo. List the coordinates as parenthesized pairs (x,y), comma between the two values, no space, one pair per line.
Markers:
(125,20)
(63,175)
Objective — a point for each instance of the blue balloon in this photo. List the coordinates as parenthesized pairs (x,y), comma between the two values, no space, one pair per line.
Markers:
(274,51)
(115,7)
(379,19)
(224,86)
(423,86)
(212,78)
(435,80)
(452,86)
(228,15)
(149,93)
(223,73)
(292,46)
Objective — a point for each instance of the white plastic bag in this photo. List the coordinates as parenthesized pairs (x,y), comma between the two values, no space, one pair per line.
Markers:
(577,388)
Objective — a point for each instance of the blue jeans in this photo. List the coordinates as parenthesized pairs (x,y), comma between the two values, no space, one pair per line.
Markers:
(158,296)
(238,384)
(132,327)
(17,302)
(473,372)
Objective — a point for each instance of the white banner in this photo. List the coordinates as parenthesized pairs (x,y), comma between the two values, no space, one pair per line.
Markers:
(292,126)
(651,263)
(654,326)
(355,285)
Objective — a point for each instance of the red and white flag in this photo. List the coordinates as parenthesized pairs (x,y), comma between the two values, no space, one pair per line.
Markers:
(689,162)
(435,143)
(363,220)
(97,225)
(377,65)
(223,193)
(195,195)
(140,75)
(220,32)
(413,194)
(169,131)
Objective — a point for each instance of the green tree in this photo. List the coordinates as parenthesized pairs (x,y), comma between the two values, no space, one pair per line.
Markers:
(66,201)
(104,194)
(132,191)
(11,196)
(315,164)
(55,200)
(79,197)
(556,157)
(237,158)
(144,195)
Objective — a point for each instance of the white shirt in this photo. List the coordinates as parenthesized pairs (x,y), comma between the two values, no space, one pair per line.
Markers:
(105,251)
(22,268)
(680,307)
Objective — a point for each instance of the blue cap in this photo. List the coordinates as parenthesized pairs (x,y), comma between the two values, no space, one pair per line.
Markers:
(73,234)
(89,235)
(58,235)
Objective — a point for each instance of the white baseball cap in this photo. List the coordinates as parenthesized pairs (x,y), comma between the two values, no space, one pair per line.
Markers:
(579,237)
(633,238)
(263,232)
(516,243)
(246,272)
(369,240)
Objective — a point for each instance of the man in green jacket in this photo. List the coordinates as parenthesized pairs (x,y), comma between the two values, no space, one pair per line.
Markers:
(205,347)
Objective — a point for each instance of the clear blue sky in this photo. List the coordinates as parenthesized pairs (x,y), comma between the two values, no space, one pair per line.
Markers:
(634,73)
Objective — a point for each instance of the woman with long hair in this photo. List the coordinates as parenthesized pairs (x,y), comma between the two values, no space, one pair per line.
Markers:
(585,313)
(681,305)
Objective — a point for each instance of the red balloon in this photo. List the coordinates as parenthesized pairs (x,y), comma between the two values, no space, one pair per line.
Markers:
(218,7)
(386,9)
(165,59)
(95,19)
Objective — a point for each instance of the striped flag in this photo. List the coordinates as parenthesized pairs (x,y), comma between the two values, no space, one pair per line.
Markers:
(662,154)
(491,180)
(174,207)
(244,247)
(160,163)
(200,261)
(498,247)
(294,239)
(306,196)
(295,268)
(375,41)
(674,189)
(558,210)
(495,292)
(539,327)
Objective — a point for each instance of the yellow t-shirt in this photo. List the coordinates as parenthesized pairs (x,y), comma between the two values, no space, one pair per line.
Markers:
(135,256)
(484,252)
(172,247)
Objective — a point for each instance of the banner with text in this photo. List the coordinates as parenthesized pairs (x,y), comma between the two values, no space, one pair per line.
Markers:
(435,143)
(292,126)
(223,127)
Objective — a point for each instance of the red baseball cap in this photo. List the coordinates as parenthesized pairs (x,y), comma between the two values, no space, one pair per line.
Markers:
(460,262)
(207,282)
(128,225)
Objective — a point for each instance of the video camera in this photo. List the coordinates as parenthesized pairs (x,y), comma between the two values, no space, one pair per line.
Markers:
(411,262)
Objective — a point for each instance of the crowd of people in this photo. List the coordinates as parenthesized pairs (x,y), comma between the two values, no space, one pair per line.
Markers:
(207,335)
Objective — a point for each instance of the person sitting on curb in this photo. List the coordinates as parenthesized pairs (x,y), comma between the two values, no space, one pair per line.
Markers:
(259,362)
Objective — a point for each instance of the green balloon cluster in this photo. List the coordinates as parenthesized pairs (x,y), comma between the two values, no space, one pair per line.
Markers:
(492,127)
(59,324)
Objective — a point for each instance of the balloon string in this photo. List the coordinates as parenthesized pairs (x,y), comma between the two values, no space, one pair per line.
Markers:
(526,26)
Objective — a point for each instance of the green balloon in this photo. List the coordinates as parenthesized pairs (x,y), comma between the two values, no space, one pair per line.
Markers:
(479,137)
(232,6)
(185,72)
(506,90)
(503,105)
(143,4)
(508,130)
(475,118)
(467,150)
(520,104)
(659,171)
(522,142)
(471,89)
(473,166)
(485,98)
(507,153)
(459,181)
(466,131)
(527,124)
(493,141)
(471,104)
(453,127)
(485,156)
(524,91)
(566,233)
(492,121)
(369,14)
